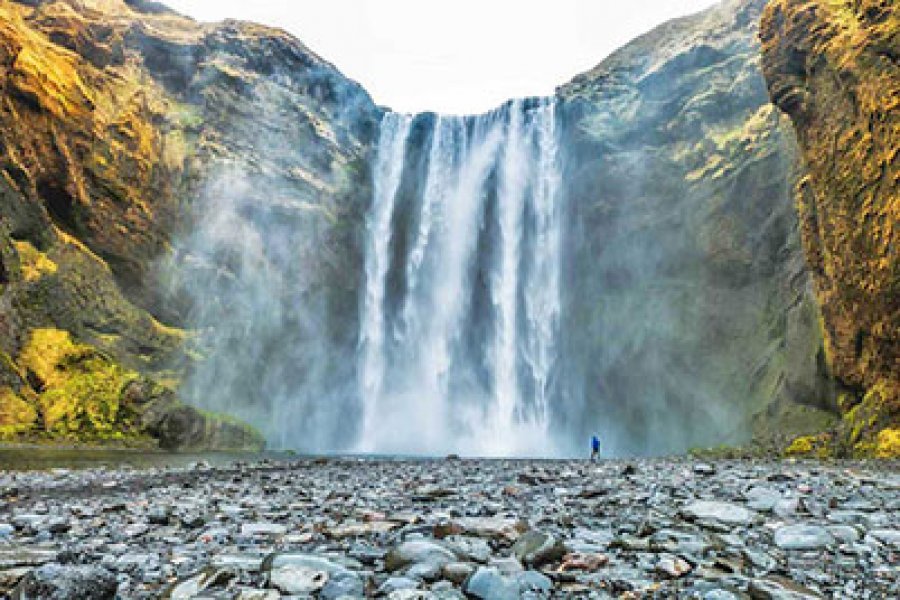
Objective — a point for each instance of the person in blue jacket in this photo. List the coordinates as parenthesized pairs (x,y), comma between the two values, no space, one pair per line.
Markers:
(595,447)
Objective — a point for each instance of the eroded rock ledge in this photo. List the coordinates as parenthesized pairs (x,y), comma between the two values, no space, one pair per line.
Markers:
(834,68)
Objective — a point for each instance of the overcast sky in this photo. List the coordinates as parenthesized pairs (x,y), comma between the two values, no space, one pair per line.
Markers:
(458,56)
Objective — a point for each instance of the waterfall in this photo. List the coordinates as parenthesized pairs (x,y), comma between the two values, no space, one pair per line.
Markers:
(388,169)
(461,359)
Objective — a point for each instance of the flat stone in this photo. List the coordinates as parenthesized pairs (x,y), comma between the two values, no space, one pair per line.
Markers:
(762,499)
(23,556)
(488,584)
(537,548)
(891,537)
(393,584)
(802,537)
(672,567)
(297,579)
(490,527)
(770,589)
(263,529)
(722,512)
(457,572)
(418,551)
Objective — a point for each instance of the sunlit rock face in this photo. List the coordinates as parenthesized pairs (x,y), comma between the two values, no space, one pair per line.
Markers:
(186,198)
(218,208)
(690,318)
(833,67)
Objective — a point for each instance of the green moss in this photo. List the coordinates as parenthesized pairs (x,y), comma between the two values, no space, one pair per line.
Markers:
(887,444)
(80,388)
(801,446)
(16,415)
(34,263)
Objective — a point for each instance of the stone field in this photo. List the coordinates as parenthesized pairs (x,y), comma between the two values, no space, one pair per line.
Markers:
(450,528)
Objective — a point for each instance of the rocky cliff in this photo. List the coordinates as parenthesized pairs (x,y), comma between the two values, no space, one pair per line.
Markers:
(692,319)
(834,68)
(116,122)
(182,209)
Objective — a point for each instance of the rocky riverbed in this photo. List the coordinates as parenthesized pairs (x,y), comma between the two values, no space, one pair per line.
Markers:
(349,528)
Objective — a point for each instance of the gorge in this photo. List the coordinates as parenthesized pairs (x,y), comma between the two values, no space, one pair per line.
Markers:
(246,231)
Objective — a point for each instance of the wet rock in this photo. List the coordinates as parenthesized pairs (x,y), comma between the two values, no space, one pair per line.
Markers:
(720,512)
(57,582)
(635,538)
(537,548)
(770,589)
(297,579)
(488,584)
(263,529)
(672,567)
(418,551)
(802,537)
(393,584)
(457,572)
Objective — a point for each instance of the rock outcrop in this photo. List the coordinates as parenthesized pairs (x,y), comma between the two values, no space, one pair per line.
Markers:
(116,120)
(691,317)
(833,68)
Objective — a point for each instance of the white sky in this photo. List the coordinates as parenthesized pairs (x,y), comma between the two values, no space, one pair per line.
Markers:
(458,56)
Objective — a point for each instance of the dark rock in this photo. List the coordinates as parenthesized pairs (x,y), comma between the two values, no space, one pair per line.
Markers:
(56,582)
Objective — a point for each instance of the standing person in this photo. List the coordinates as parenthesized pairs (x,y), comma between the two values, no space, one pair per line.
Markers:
(595,448)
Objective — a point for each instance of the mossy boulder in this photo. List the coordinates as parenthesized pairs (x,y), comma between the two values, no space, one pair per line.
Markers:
(79,389)
(71,391)
(178,426)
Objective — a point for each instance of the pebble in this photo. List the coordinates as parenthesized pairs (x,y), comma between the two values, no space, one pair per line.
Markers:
(453,529)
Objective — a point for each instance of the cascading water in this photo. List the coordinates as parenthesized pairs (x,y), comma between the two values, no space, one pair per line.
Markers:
(388,169)
(461,305)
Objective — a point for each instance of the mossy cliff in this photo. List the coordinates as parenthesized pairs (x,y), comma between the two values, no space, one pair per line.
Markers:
(833,66)
(115,119)
(182,209)
(690,318)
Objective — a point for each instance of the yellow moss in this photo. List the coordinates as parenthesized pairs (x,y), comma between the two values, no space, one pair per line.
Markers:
(16,415)
(887,444)
(44,353)
(169,331)
(801,446)
(80,388)
(34,263)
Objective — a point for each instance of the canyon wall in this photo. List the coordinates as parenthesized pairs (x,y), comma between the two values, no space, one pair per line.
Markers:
(691,319)
(123,126)
(833,67)
(183,213)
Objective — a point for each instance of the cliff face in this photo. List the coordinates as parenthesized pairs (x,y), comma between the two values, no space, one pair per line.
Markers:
(691,318)
(182,207)
(832,66)
(117,121)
